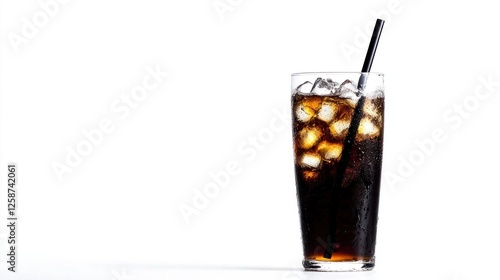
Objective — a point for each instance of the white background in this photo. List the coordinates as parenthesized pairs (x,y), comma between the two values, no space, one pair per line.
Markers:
(229,77)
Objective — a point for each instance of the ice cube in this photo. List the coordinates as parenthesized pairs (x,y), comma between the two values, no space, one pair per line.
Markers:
(367,128)
(332,83)
(339,128)
(310,160)
(370,109)
(309,136)
(310,174)
(313,102)
(352,102)
(348,89)
(327,112)
(304,113)
(324,87)
(304,87)
(329,150)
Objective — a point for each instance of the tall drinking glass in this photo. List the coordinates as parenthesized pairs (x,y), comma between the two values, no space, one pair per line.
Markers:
(338,130)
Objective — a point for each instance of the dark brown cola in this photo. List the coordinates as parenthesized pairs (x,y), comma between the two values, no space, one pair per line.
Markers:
(320,124)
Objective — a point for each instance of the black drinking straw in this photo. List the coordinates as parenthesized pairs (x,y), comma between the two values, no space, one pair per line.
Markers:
(349,139)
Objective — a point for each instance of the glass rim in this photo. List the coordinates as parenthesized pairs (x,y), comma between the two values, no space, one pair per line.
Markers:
(335,73)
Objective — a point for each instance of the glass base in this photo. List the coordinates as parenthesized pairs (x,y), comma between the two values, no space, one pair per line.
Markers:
(314,265)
